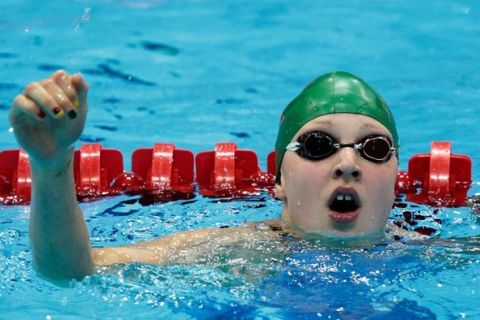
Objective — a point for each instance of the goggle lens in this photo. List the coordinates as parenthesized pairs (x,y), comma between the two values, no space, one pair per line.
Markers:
(376,149)
(317,146)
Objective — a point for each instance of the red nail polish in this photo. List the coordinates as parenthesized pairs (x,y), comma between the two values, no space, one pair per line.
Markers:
(41,114)
(56,110)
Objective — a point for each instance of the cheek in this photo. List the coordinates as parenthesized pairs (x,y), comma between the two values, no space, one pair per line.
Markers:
(305,184)
(303,177)
(382,187)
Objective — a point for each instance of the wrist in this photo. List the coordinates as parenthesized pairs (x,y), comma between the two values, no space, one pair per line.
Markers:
(57,165)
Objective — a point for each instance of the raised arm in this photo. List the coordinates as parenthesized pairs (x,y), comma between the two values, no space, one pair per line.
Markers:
(47,118)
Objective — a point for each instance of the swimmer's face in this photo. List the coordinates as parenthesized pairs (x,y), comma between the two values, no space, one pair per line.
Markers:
(312,191)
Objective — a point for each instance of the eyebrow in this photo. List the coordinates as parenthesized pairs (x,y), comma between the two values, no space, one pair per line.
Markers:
(364,126)
(329,123)
(368,125)
(325,122)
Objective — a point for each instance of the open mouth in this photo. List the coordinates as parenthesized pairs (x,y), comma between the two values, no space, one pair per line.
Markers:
(344,204)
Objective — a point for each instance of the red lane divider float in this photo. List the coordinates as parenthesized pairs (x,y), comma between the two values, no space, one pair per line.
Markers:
(227,171)
(439,178)
(95,169)
(15,182)
(167,172)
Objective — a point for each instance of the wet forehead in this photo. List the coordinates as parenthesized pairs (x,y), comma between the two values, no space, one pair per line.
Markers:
(352,125)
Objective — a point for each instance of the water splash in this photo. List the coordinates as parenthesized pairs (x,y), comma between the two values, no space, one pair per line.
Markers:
(84,19)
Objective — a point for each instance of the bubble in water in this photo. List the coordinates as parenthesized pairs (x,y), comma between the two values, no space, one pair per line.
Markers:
(85,18)
(465,10)
(86,14)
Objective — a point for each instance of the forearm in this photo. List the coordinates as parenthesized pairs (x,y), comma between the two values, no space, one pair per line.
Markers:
(58,233)
(179,248)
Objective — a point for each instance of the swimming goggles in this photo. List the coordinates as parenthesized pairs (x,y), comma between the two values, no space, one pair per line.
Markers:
(317,145)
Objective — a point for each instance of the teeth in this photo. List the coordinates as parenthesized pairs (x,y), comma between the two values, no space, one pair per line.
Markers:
(341,197)
(344,202)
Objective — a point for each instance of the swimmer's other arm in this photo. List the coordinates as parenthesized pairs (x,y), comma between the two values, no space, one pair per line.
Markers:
(180,248)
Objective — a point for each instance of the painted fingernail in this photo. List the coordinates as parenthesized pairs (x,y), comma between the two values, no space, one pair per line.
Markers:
(58,112)
(72,114)
(41,114)
(76,103)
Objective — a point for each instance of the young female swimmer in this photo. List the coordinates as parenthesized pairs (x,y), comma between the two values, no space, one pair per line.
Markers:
(337,150)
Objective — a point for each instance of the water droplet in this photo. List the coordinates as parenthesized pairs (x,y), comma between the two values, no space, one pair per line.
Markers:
(86,14)
(465,10)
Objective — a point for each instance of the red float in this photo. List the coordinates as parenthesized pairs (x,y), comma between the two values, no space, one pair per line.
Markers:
(439,178)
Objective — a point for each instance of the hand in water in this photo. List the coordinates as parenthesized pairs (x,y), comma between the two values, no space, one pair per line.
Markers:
(49,116)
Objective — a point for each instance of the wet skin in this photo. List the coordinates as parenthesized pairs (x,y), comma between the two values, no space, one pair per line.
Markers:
(49,116)
(307,186)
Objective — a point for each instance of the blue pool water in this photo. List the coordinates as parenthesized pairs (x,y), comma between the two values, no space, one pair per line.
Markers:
(200,72)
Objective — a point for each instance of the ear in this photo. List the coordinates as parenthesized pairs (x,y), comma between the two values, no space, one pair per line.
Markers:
(280,190)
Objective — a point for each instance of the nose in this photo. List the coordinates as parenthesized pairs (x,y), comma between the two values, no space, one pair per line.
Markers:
(347,167)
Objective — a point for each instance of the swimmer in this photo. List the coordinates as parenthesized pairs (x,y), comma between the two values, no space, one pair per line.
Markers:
(337,160)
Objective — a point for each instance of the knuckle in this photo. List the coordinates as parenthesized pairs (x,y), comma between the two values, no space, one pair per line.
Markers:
(18,100)
(51,102)
(59,73)
(19,106)
(65,104)
(31,86)
(60,76)
(70,95)
(46,82)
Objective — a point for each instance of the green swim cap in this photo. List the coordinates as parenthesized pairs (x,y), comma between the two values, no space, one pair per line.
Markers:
(336,92)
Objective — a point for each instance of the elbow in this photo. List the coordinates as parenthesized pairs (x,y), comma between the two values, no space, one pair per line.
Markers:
(57,271)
